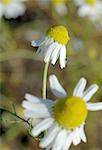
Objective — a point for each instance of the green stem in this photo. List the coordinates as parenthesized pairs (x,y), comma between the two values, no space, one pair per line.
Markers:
(45,80)
(14,114)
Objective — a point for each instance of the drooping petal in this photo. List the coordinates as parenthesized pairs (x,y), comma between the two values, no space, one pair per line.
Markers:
(37,43)
(63,57)
(94,106)
(56,87)
(42,126)
(90,92)
(76,137)
(51,135)
(79,88)
(55,54)
(59,140)
(68,141)
(49,52)
(82,133)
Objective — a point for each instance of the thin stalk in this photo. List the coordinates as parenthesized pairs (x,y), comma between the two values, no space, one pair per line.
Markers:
(14,114)
(45,80)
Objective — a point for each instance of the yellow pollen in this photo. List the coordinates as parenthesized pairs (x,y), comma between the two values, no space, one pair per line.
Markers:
(91,2)
(70,112)
(6,2)
(59,34)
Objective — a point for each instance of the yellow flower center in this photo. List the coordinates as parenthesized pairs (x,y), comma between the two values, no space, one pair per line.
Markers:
(59,34)
(91,2)
(70,112)
(6,2)
(57,2)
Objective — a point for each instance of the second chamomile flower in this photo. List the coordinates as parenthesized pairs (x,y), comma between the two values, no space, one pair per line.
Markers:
(89,8)
(64,119)
(12,8)
(53,45)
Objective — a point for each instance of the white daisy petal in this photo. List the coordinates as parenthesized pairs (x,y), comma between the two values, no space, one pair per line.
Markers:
(51,134)
(49,52)
(94,106)
(82,133)
(90,92)
(35,99)
(58,144)
(56,87)
(76,137)
(68,141)
(37,43)
(2,9)
(63,57)
(37,108)
(43,125)
(79,88)
(55,54)
(32,98)
(14,10)
(35,114)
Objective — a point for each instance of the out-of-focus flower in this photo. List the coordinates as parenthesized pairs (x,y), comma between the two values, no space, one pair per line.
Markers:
(12,8)
(60,6)
(53,45)
(63,119)
(89,8)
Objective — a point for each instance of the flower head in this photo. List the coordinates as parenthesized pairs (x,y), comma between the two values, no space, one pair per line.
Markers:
(60,6)
(89,8)
(64,119)
(12,8)
(53,45)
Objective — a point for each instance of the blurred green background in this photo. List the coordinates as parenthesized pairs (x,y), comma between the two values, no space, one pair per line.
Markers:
(21,70)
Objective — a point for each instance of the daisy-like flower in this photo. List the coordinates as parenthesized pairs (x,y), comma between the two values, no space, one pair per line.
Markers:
(64,119)
(60,6)
(12,8)
(53,45)
(89,8)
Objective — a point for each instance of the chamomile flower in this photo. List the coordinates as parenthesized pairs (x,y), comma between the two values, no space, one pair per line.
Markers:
(60,6)
(64,119)
(89,8)
(53,45)
(12,8)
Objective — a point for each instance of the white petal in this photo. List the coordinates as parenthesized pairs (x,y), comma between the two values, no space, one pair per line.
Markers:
(37,43)
(49,146)
(82,133)
(59,141)
(14,10)
(76,137)
(51,135)
(94,106)
(35,99)
(90,92)
(1,10)
(35,115)
(39,108)
(55,54)
(42,126)
(49,52)
(63,57)
(56,87)
(32,98)
(79,88)
(68,141)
